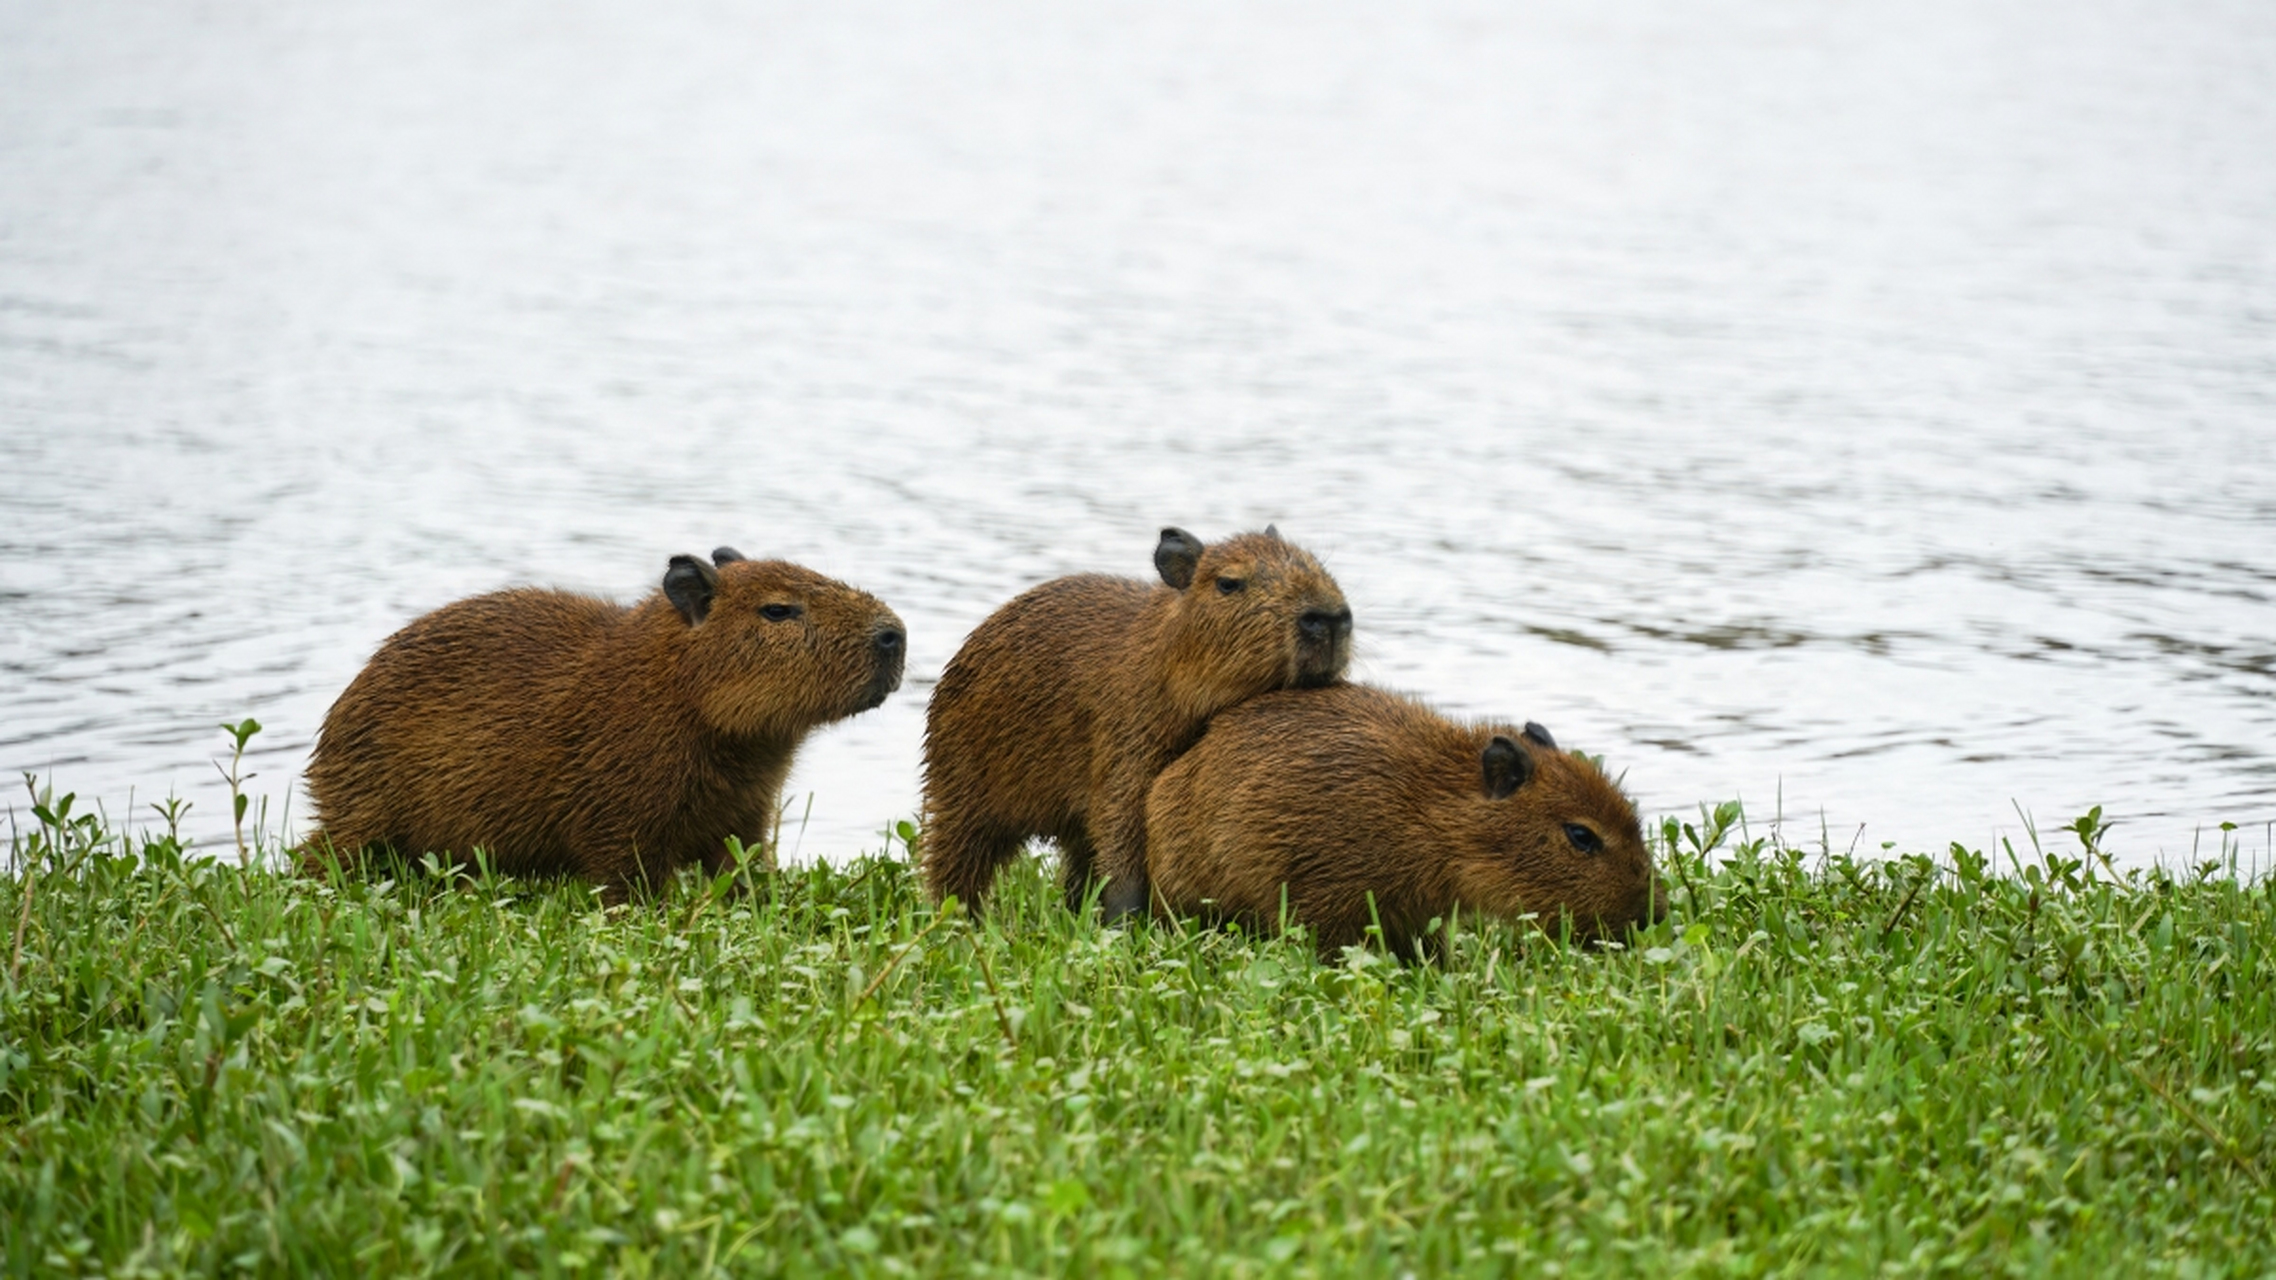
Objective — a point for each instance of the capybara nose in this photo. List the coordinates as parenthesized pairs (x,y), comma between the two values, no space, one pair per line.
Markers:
(1318,625)
(886,645)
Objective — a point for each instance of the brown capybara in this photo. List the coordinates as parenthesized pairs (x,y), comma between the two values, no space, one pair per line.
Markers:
(1061,707)
(565,735)
(1346,792)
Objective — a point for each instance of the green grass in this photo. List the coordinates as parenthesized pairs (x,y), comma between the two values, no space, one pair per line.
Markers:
(1818,1065)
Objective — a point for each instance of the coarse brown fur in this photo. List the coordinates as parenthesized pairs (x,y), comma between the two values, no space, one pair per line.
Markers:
(1061,707)
(1349,792)
(565,735)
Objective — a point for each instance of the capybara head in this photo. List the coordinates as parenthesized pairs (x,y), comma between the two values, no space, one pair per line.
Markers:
(773,648)
(1254,613)
(1549,833)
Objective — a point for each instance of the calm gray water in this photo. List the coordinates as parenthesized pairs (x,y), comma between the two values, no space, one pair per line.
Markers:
(1867,411)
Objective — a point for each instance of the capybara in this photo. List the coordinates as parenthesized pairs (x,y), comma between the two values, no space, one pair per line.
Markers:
(565,735)
(1061,707)
(1346,792)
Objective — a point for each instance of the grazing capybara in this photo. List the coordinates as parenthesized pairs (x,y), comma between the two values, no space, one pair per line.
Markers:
(565,735)
(1346,792)
(1056,714)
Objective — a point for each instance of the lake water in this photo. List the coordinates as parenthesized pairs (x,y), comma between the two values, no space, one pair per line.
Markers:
(1867,411)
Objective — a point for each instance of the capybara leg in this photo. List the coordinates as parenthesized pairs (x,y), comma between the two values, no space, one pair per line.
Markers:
(616,866)
(1077,856)
(963,861)
(318,856)
(1124,895)
(324,851)
(1122,860)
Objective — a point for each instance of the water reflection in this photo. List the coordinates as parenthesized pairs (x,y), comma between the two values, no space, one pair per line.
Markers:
(1862,415)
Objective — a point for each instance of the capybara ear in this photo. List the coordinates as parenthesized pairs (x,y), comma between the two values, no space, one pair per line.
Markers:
(1535,731)
(724,556)
(1507,767)
(688,584)
(1272,531)
(1176,557)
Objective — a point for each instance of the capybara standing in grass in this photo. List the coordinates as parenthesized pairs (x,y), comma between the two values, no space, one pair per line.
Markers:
(1056,714)
(1341,793)
(564,735)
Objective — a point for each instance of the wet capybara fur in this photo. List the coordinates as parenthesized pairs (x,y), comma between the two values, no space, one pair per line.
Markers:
(1061,707)
(562,734)
(1333,796)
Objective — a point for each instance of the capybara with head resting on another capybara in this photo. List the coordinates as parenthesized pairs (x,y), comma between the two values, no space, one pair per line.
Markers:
(562,734)
(1336,796)
(1061,707)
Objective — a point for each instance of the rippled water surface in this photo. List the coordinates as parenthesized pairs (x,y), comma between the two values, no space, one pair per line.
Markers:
(1863,410)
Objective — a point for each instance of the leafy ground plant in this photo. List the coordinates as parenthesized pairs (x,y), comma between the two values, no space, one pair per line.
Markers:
(1818,1064)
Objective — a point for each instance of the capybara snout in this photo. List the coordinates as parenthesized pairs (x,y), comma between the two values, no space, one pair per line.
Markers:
(1323,646)
(889,646)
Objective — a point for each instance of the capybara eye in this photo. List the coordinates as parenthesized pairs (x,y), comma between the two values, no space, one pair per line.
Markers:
(1583,839)
(779,612)
(1227,586)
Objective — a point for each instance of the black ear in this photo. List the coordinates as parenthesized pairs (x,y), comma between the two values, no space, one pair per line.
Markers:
(1534,731)
(1272,531)
(688,584)
(1176,556)
(1508,766)
(725,555)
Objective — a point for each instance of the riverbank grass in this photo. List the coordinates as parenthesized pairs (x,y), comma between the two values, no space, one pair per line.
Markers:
(1818,1065)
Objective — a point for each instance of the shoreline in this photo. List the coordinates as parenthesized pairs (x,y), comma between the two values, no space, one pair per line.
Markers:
(1830,1062)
